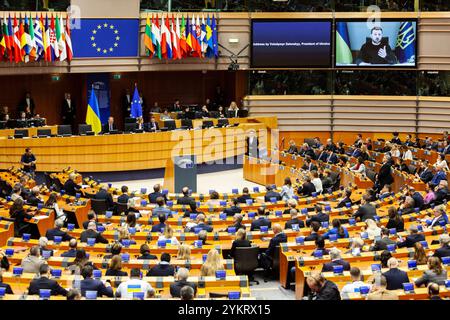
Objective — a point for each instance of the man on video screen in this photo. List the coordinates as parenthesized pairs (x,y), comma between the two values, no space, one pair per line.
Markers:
(376,50)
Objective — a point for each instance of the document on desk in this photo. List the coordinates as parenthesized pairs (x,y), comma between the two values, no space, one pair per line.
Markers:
(40,217)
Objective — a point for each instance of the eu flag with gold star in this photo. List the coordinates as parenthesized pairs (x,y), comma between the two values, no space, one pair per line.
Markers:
(106,38)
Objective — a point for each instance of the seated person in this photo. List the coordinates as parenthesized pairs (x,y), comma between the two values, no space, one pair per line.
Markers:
(245,196)
(315,227)
(444,250)
(44,282)
(182,276)
(233,209)
(262,220)
(135,284)
(145,253)
(103,288)
(271,194)
(346,199)
(91,232)
(320,245)
(267,256)
(308,188)
(213,199)
(124,197)
(92,217)
(57,232)
(435,273)
(240,241)
(103,194)
(320,216)
(70,186)
(7,287)
(161,208)
(168,235)
(71,253)
(294,220)
(161,225)
(336,229)
(366,210)
(201,224)
(34,199)
(336,260)
(156,194)
(237,223)
(395,277)
(33,261)
(413,237)
(192,210)
(185,199)
(163,268)
(115,267)
(383,242)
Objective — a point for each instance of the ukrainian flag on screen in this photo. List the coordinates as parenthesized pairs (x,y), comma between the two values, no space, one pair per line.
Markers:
(106,38)
(343,51)
(134,288)
(93,113)
(405,48)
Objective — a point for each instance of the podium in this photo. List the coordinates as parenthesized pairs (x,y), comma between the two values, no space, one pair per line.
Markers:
(181,171)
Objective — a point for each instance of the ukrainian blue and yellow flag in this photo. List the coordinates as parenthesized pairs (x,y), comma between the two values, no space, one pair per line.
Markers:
(93,113)
(131,288)
(405,49)
(343,51)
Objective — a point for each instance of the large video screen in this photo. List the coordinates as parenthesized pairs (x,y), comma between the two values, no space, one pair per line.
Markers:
(376,44)
(291,43)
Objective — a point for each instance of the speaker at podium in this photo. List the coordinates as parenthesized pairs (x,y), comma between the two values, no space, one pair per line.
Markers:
(181,171)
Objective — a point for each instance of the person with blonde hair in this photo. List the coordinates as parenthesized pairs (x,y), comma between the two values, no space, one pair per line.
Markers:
(184,252)
(435,273)
(240,241)
(212,264)
(233,110)
(372,229)
(168,235)
(124,234)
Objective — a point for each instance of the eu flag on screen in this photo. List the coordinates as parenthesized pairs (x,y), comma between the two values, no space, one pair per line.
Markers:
(405,49)
(106,38)
(136,106)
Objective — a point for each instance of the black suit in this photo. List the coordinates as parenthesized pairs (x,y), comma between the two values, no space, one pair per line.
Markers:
(395,278)
(366,211)
(126,105)
(343,202)
(34,201)
(327,267)
(306,189)
(310,167)
(244,198)
(56,232)
(260,222)
(442,252)
(154,195)
(411,240)
(384,175)
(123,198)
(399,226)
(90,284)
(161,270)
(68,112)
(289,223)
(46,283)
(426,175)
(239,244)
(72,253)
(104,195)
(92,234)
(148,256)
(382,244)
(185,200)
(71,188)
(320,217)
(231,211)
(153,126)
(175,288)
(105,128)
(116,273)
(274,242)
(272,194)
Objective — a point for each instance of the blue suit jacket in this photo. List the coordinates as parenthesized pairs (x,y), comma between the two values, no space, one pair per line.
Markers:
(395,278)
(440,175)
(90,284)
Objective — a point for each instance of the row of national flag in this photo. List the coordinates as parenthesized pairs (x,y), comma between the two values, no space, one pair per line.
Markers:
(27,39)
(174,38)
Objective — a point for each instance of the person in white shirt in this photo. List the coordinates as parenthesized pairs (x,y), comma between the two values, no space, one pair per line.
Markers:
(287,192)
(359,167)
(135,284)
(316,181)
(372,229)
(407,154)
(395,153)
(441,162)
(356,283)
(168,235)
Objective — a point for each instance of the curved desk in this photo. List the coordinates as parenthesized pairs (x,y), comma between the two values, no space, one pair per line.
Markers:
(124,152)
